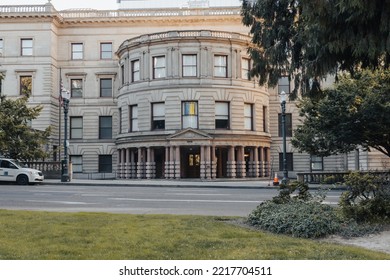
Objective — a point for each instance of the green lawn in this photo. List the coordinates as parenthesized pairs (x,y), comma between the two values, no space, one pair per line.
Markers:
(52,236)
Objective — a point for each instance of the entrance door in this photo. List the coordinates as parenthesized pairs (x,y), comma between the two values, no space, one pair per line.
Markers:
(190,162)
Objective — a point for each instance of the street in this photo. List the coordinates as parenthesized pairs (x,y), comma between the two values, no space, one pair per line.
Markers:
(138,199)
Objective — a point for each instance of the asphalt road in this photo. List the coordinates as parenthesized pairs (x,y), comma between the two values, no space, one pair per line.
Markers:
(137,199)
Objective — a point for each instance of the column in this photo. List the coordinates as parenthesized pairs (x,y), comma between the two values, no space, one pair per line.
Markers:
(202,163)
(208,162)
(133,165)
(231,164)
(255,162)
(172,162)
(213,163)
(177,168)
(167,163)
(140,164)
(240,163)
(148,165)
(119,163)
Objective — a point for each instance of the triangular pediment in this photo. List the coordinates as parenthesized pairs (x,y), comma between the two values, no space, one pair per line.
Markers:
(189,133)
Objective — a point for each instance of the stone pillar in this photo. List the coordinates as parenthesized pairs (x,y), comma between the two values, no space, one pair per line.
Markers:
(172,162)
(208,162)
(148,165)
(119,163)
(213,163)
(266,157)
(255,162)
(133,165)
(177,169)
(167,163)
(141,164)
(240,163)
(202,163)
(231,164)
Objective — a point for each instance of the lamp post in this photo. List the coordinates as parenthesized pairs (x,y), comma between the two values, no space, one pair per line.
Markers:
(283,97)
(65,162)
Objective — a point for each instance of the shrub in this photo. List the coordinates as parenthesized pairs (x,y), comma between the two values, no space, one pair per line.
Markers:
(308,219)
(367,198)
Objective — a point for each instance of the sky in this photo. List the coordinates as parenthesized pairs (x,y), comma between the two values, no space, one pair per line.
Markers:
(112,4)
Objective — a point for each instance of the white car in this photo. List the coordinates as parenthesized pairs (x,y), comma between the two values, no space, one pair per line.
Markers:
(14,171)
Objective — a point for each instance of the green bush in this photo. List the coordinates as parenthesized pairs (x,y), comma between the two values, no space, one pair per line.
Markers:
(308,219)
(367,198)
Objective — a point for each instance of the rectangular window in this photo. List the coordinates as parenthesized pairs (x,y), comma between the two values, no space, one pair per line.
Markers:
(77,51)
(316,163)
(248,116)
(159,67)
(158,116)
(222,115)
(190,114)
(189,65)
(284,85)
(133,113)
(1,47)
(106,87)
(76,88)
(135,71)
(76,127)
(220,66)
(106,50)
(25,87)
(105,127)
(245,67)
(289,161)
(123,74)
(265,118)
(105,163)
(26,47)
(77,163)
(288,125)
(120,120)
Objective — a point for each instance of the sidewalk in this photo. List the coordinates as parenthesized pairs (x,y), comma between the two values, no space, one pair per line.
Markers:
(181,183)
(194,183)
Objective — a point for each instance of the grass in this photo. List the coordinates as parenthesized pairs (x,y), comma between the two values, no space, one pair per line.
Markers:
(89,236)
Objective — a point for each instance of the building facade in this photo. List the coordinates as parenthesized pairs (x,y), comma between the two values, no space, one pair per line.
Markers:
(155,93)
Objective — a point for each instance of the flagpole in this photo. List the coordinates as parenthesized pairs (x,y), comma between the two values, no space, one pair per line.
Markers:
(59,118)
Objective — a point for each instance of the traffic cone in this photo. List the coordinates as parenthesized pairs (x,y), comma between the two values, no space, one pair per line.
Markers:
(276,180)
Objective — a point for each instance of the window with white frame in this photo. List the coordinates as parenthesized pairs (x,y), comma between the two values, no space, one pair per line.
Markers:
(158,116)
(190,114)
(248,116)
(76,88)
(221,115)
(245,68)
(26,47)
(133,119)
(77,50)
(220,66)
(106,50)
(135,70)
(284,85)
(189,65)
(106,87)
(76,127)
(77,163)
(159,67)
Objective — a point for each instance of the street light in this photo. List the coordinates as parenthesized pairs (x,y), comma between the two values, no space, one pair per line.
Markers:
(283,99)
(65,94)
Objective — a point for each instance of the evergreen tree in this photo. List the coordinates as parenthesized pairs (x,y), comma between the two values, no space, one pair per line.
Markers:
(309,39)
(17,139)
(356,113)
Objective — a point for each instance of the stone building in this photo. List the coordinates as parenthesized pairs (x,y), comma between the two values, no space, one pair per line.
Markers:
(155,93)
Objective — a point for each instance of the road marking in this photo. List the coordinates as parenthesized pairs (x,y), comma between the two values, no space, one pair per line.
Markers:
(61,202)
(185,200)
